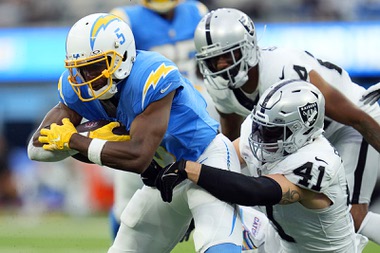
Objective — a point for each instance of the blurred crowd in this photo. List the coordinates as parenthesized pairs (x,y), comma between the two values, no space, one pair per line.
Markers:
(64,12)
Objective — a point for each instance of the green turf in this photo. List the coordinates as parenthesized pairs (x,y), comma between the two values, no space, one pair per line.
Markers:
(62,234)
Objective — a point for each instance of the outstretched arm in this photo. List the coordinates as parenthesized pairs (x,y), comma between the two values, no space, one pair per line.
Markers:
(241,189)
(339,108)
(229,186)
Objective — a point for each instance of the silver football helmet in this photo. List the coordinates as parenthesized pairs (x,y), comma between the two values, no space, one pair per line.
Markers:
(227,34)
(100,51)
(289,115)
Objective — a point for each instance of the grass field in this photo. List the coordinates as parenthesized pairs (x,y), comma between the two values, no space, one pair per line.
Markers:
(62,234)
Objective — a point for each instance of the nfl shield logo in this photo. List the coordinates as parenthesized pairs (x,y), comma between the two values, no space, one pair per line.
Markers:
(309,113)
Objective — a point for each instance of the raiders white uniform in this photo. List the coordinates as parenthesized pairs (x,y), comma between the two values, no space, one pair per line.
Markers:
(318,168)
(361,161)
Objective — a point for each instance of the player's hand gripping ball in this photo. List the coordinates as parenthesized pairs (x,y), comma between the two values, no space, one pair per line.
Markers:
(57,137)
(101,129)
(105,130)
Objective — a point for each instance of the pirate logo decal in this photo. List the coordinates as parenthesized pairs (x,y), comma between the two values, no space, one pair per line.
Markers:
(309,113)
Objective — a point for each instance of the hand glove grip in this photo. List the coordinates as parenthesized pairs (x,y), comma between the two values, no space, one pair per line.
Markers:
(106,133)
(168,178)
(150,174)
(58,136)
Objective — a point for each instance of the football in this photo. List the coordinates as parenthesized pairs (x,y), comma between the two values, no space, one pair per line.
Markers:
(93,125)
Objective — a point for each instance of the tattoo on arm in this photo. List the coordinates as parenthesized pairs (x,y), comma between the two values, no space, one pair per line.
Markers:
(290,197)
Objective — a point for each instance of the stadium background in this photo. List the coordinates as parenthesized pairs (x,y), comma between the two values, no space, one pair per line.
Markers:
(46,206)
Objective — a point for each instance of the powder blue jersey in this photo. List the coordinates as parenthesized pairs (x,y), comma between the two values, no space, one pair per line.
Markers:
(152,77)
(172,38)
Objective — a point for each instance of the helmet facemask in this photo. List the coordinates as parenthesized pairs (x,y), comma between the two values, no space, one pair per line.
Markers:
(270,143)
(234,75)
(96,73)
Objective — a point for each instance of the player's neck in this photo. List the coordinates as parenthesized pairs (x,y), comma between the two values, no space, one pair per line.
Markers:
(253,78)
(168,15)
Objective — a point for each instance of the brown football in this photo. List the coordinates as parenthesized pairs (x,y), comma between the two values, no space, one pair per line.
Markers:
(93,125)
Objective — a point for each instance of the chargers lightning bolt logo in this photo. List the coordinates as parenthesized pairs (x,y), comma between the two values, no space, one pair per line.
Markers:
(101,23)
(154,77)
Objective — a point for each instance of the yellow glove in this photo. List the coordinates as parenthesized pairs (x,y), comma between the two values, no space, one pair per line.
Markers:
(105,133)
(57,137)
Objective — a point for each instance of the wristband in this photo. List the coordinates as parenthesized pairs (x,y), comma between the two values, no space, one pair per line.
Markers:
(95,150)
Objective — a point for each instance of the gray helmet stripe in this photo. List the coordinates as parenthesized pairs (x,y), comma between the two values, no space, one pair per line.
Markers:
(270,94)
(207,30)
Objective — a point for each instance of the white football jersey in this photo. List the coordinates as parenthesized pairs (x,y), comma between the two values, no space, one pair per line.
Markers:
(318,168)
(276,64)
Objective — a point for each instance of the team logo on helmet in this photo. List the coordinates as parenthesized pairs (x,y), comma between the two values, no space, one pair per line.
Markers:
(101,23)
(309,113)
(248,25)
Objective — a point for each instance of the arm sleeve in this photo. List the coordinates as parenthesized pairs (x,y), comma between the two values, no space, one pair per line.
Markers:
(239,189)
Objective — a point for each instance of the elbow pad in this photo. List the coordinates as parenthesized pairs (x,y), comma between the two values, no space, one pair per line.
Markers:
(239,189)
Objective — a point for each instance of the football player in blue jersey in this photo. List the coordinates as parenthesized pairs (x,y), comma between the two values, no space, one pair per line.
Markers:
(168,28)
(107,78)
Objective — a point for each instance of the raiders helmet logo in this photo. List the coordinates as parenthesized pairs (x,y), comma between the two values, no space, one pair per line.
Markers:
(248,25)
(309,113)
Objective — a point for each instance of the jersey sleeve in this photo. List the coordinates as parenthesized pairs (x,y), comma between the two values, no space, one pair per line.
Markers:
(159,80)
(66,93)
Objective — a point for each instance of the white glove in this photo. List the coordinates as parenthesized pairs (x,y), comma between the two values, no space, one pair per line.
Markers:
(371,95)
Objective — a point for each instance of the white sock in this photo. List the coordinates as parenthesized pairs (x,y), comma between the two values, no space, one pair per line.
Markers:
(370,227)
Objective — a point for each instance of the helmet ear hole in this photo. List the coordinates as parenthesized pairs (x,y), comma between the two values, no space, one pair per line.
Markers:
(125,56)
(308,131)
(288,133)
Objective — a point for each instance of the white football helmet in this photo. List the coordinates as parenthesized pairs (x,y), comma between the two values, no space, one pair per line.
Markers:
(100,51)
(231,34)
(160,6)
(289,115)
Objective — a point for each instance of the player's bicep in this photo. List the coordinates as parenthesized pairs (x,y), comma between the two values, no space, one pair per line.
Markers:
(291,193)
(148,128)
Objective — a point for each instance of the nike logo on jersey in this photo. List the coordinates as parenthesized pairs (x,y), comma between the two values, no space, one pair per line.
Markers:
(320,160)
(165,89)
(282,74)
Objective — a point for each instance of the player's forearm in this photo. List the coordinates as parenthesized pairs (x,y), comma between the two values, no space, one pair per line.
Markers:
(370,129)
(116,155)
(36,153)
(234,187)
